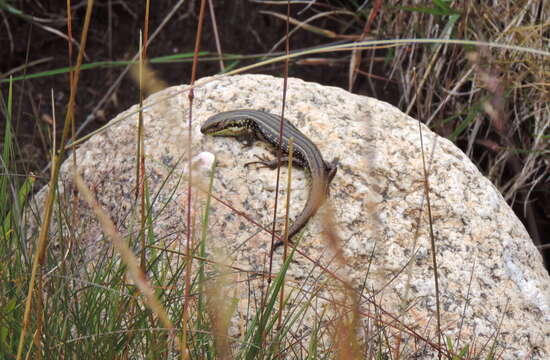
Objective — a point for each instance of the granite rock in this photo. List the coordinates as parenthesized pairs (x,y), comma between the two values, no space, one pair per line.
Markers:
(492,282)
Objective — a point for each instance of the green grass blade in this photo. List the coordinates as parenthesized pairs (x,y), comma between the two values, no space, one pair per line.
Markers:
(7,153)
(261,320)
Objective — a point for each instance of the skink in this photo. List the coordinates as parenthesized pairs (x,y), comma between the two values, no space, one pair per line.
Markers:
(250,125)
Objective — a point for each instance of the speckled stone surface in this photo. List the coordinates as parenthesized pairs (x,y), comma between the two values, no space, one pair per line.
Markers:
(491,276)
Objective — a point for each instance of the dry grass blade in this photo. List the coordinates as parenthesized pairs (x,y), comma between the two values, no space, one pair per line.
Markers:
(185,316)
(347,308)
(216,34)
(304,25)
(371,44)
(355,59)
(24,67)
(285,237)
(220,309)
(314,29)
(48,208)
(149,83)
(426,173)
